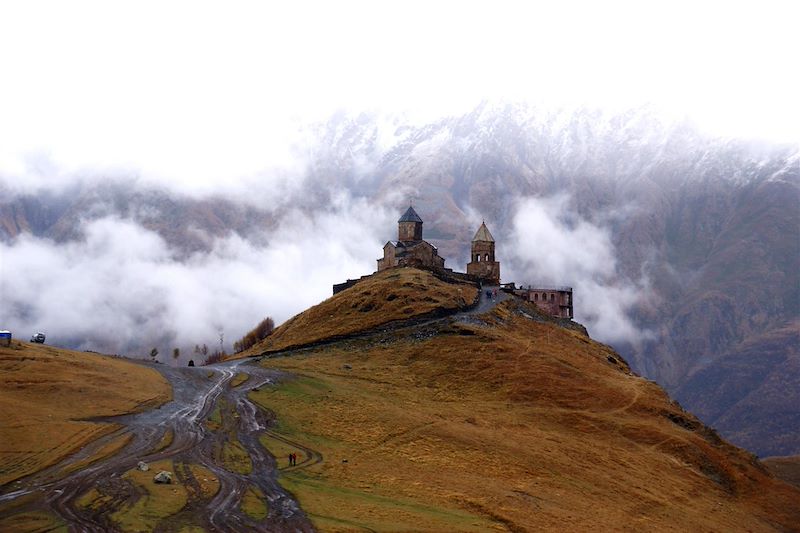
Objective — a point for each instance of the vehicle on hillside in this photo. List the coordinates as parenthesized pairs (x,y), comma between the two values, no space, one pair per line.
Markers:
(38,338)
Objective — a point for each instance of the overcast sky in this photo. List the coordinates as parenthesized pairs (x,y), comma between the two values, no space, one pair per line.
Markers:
(196,94)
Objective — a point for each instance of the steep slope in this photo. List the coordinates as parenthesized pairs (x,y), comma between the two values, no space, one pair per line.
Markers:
(505,417)
(387,296)
(786,468)
(49,395)
(187,224)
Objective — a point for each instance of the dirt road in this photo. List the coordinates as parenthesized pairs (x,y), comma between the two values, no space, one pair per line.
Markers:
(207,418)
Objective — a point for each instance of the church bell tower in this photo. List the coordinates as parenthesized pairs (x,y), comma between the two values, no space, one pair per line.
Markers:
(409,226)
(482,263)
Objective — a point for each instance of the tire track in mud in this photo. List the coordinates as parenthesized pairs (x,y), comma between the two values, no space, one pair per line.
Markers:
(196,396)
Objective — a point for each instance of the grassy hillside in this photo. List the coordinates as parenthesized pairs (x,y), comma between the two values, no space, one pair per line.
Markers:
(786,468)
(48,394)
(502,421)
(395,294)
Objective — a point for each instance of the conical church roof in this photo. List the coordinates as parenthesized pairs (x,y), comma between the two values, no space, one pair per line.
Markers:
(410,216)
(483,234)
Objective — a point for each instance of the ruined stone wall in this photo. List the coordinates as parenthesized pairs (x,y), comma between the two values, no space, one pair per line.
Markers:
(554,302)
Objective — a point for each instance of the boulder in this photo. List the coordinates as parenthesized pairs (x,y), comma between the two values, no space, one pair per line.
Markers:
(163,477)
(142,466)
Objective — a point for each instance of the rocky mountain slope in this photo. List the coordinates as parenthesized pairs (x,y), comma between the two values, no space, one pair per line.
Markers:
(703,230)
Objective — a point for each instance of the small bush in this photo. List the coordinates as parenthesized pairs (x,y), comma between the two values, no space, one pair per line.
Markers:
(259,333)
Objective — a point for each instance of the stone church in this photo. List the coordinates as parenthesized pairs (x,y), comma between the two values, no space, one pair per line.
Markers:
(410,249)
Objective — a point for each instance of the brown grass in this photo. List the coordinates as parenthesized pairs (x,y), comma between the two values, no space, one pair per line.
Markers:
(32,522)
(395,294)
(517,424)
(109,449)
(46,394)
(785,468)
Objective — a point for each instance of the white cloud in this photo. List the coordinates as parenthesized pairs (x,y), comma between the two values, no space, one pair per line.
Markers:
(121,288)
(550,246)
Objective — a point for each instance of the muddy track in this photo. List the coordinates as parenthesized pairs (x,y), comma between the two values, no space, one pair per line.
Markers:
(198,392)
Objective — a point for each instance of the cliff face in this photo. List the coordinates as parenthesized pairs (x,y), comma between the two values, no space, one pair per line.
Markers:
(710,224)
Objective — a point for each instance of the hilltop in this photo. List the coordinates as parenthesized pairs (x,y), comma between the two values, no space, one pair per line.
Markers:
(383,298)
(505,420)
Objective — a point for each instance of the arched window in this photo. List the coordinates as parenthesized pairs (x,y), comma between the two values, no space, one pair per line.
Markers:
(477,258)
(544,297)
(552,297)
(535,296)
(486,257)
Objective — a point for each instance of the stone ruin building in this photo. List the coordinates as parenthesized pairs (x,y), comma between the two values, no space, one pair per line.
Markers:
(556,301)
(412,251)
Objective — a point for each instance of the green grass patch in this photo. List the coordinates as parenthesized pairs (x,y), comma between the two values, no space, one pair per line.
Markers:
(254,504)
(239,378)
(214,420)
(334,504)
(93,500)
(209,484)
(279,449)
(236,458)
(33,522)
(326,502)
(165,441)
(156,503)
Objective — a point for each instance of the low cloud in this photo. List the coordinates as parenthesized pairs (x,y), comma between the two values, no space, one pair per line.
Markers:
(121,289)
(552,246)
